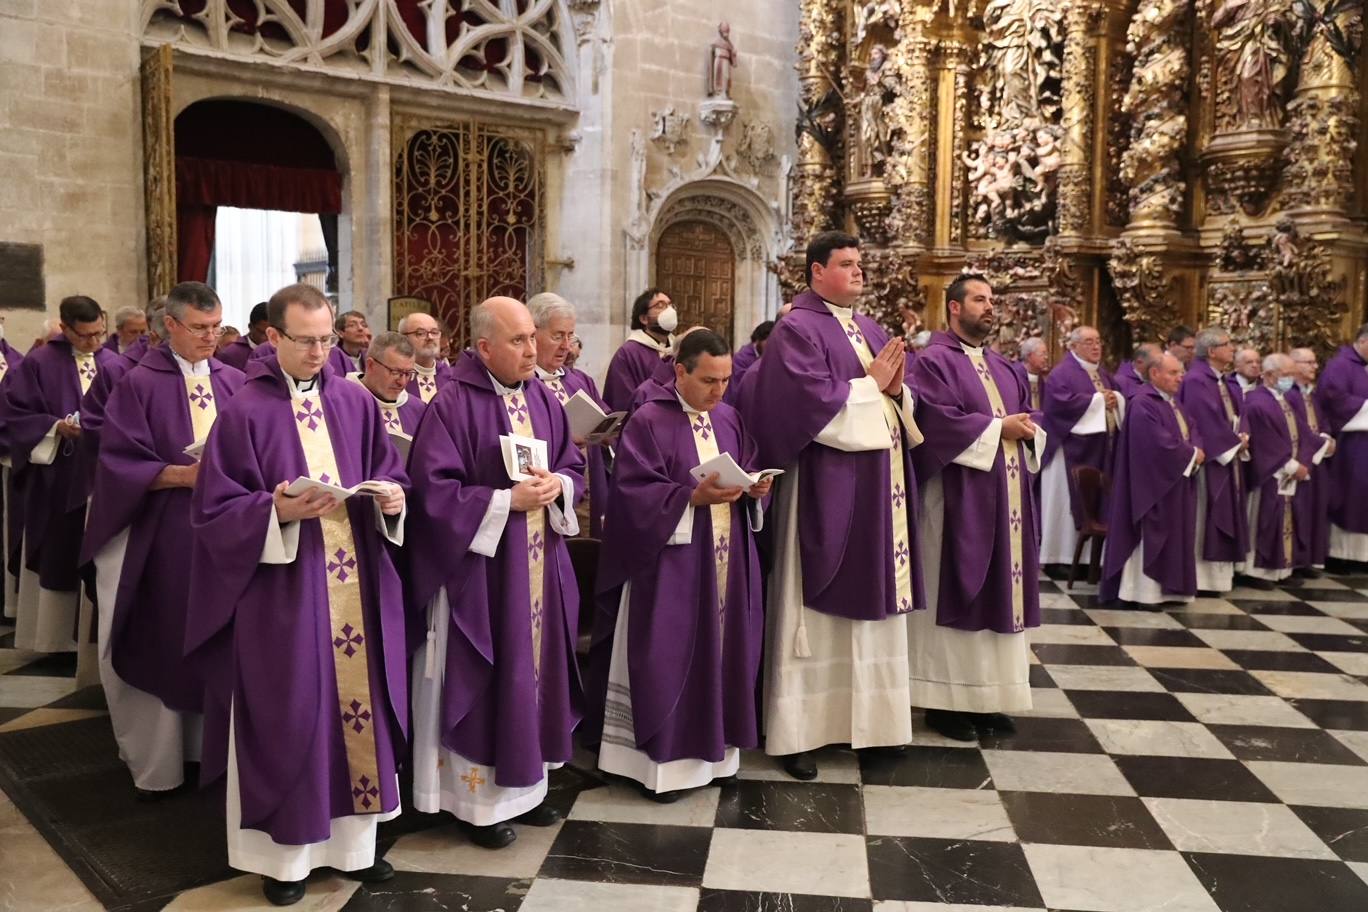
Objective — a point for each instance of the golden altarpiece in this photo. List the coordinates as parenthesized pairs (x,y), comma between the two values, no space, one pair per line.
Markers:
(1132,165)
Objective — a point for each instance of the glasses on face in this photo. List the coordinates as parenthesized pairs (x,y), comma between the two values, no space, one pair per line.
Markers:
(88,337)
(560,338)
(397,373)
(432,334)
(202,332)
(305,343)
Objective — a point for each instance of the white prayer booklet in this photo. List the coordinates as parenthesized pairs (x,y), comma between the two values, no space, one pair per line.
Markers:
(729,474)
(588,422)
(521,454)
(402,442)
(196,449)
(373,488)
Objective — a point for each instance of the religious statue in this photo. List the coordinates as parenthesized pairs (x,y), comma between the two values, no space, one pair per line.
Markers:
(875,132)
(872,13)
(1252,53)
(1020,41)
(722,59)
(1283,242)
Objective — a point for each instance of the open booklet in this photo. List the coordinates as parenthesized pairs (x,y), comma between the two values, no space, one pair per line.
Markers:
(729,474)
(373,488)
(590,423)
(196,449)
(521,454)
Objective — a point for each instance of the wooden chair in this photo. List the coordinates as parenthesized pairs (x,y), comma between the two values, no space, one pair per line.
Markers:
(584,557)
(1091,486)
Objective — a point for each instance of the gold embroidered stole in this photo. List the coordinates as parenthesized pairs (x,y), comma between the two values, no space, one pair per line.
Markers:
(520,423)
(1233,418)
(427,383)
(199,396)
(1182,421)
(705,444)
(1102,388)
(347,622)
(86,369)
(1311,418)
(1011,460)
(1292,430)
(898,493)
(1035,393)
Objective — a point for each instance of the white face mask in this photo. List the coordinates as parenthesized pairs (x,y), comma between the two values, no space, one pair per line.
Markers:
(668,319)
(1285,384)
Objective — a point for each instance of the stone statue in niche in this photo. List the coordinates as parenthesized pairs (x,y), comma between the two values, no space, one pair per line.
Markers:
(873,13)
(722,59)
(876,134)
(1253,40)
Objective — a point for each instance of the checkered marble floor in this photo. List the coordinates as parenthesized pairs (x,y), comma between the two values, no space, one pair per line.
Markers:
(1209,759)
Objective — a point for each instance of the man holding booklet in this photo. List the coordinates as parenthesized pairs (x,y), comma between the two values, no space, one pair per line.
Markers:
(679,583)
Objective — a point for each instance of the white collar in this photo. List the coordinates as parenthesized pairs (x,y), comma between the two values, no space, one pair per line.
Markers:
(1306,388)
(1245,384)
(1277,393)
(1090,368)
(968,349)
(683,403)
(300,388)
(197,369)
(1166,396)
(383,403)
(644,338)
(428,371)
(550,375)
(502,390)
(250,344)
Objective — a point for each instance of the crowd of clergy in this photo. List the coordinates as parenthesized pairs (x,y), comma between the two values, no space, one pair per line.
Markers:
(182,509)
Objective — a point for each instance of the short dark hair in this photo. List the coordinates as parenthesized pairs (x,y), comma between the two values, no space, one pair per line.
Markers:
(341,322)
(78,309)
(190,296)
(1179,334)
(956,290)
(305,295)
(643,304)
(259,313)
(820,248)
(762,332)
(698,343)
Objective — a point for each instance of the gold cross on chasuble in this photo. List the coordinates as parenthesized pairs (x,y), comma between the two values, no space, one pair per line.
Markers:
(427,385)
(1287,536)
(199,395)
(520,423)
(86,368)
(346,620)
(897,474)
(557,387)
(705,443)
(1011,461)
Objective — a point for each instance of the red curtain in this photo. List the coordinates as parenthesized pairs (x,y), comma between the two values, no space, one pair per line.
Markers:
(194,241)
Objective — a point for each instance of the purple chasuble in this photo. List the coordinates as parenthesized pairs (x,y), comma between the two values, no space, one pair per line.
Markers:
(977,572)
(1312,502)
(632,365)
(262,633)
(1153,503)
(1277,536)
(500,707)
(441,379)
(1127,381)
(236,353)
(1066,394)
(15,515)
(148,428)
(1342,390)
(343,364)
(93,417)
(1227,525)
(846,502)
(692,660)
(262,352)
(574,381)
(742,361)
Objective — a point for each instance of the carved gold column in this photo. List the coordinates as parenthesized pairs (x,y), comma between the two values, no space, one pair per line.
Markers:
(952,90)
(1318,179)
(819,138)
(1156,103)
(910,219)
(1076,185)
(159,169)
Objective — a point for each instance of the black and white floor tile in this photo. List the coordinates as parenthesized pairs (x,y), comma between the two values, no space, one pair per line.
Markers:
(1209,759)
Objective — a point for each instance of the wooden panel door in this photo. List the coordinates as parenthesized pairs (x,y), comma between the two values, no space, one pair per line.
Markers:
(696,267)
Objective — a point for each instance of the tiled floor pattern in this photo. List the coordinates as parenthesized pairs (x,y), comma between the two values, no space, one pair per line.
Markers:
(1213,759)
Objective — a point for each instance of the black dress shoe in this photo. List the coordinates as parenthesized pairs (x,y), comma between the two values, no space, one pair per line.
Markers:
(801,766)
(282,892)
(1261,585)
(379,872)
(496,836)
(658,797)
(543,815)
(956,726)
(994,724)
(1308,573)
(1209,593)
(727,780)
(147,796)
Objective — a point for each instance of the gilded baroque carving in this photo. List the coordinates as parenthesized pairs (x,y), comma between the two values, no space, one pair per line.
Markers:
(893,293)
(159,169)
(1143,290)
(1079,96)
(819,118)
(1036,291)
(914,112)
(1156,103)
(1252,59)
(1310,299)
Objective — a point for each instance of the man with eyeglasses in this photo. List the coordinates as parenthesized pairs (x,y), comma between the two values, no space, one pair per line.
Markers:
(1312,501)
(389,370)
(649,342)
(96,398)
(43,403)
(137,534)
(432,374)
(349,355)
(299,619)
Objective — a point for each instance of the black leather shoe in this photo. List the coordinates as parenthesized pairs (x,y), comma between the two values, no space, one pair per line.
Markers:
(1308,573)
(957,726)
(543,815)
(282,892)
(379,872)
(148,796)
(1262,585)
(802,766)
(496,836)
(994,724)
(658,797)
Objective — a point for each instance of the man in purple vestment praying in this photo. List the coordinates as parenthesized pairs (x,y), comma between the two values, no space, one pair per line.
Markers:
(238,353)
(1312,501)
(1343,400)
(496,692)
(42,420)
(648,343)
(827,403)
(298,617)
(1150,558)
(1213,403)
(137,534)
(969,656)
(433,374)
(388,371)
(681,574)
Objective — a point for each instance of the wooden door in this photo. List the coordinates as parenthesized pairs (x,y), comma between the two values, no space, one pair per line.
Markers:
(696,267)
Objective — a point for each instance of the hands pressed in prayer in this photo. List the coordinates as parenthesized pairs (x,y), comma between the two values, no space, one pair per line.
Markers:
(68,430)
(1201,455)
(539,491)
(1302,473)
(312,504)
(762,488)
(1244,444)
(176,476)
(1018,427)
(392,504)
(709,492)
(887,366)
(1109,397)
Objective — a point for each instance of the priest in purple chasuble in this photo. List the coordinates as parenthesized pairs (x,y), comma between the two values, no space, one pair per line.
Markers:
(130,328)
(554,318)
(828,405)
(680,568)
(1130,375)
(1343,399)
(649,342)
(388,371)
(1312,501)
(1284,454)
(43,401)
(496,689)
(745,359)
(10,359)
(298,623)
(348,356)
(431,374)
(1213,405)
(1150,558)
(968,653)
(137,536)
(1033,367)
(1082,414)
(238,353)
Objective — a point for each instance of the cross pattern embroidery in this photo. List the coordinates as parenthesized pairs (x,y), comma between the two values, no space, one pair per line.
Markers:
(309,414)
(535,545)
(1015,520)
(517,408)
(558,388)
(349,640)
(391,419)
(703,426)
(201,397)
(720,548)
(854,334)
(427,385)
(365,792)
(356,715)
(904,605)
(473,779)
(87,367)
(899,495)
(341,563)
(901,553)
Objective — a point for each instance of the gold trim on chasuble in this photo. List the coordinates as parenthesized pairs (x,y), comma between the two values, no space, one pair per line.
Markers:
(1287,498)
(4,365)
(1011,460)
(427,385)
(705,443)
(1182,421)
(1306,397)
(350,660)
(898,493)
(389,414)
(86,369)
(1234,420)
(1101,387)
(199,396)
(557,387)
(520,422)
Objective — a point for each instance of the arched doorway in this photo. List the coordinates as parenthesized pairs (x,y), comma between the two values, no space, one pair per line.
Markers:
(696,266)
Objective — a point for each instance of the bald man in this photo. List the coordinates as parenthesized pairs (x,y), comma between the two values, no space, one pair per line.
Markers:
(1313,499)
(432,374)
(495,683)
(1130,374)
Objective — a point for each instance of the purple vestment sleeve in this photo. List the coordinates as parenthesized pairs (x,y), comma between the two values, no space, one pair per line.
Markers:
(632,365)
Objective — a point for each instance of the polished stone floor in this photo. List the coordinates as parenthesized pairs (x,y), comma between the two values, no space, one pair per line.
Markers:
(1213,759)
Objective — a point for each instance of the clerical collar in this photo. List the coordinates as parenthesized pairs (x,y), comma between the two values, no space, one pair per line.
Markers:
(250,344)
(646,339)
(1214,372)
(502,390)
(1306,388)
(1245,384)
(684,404)
(426,371)
(967,346)
(1087,366)
(550,375)
(1166,397)
(387,403)
(845,313)
(299,388)
(1277,393)
(197,369)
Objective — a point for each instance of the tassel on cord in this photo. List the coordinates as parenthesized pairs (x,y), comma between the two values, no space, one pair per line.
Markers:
(800,639)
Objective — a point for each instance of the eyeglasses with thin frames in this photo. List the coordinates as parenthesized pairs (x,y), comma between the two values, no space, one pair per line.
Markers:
(397,373)
(202,332)
(424,333)
(304,343)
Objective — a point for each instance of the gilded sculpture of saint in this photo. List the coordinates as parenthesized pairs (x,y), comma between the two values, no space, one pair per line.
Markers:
(1019,35)
(875,132)
(1252,52)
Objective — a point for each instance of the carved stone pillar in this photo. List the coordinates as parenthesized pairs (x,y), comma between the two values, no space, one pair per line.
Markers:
(1156,103)
(819,126)
(1076,184)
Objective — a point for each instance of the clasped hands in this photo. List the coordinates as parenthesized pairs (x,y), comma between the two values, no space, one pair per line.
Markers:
(888,366)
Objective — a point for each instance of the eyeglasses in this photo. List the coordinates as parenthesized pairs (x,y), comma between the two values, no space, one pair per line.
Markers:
(560,338)
(304,343)
(203,332)
(397,373)
(425,333)
(88,337)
